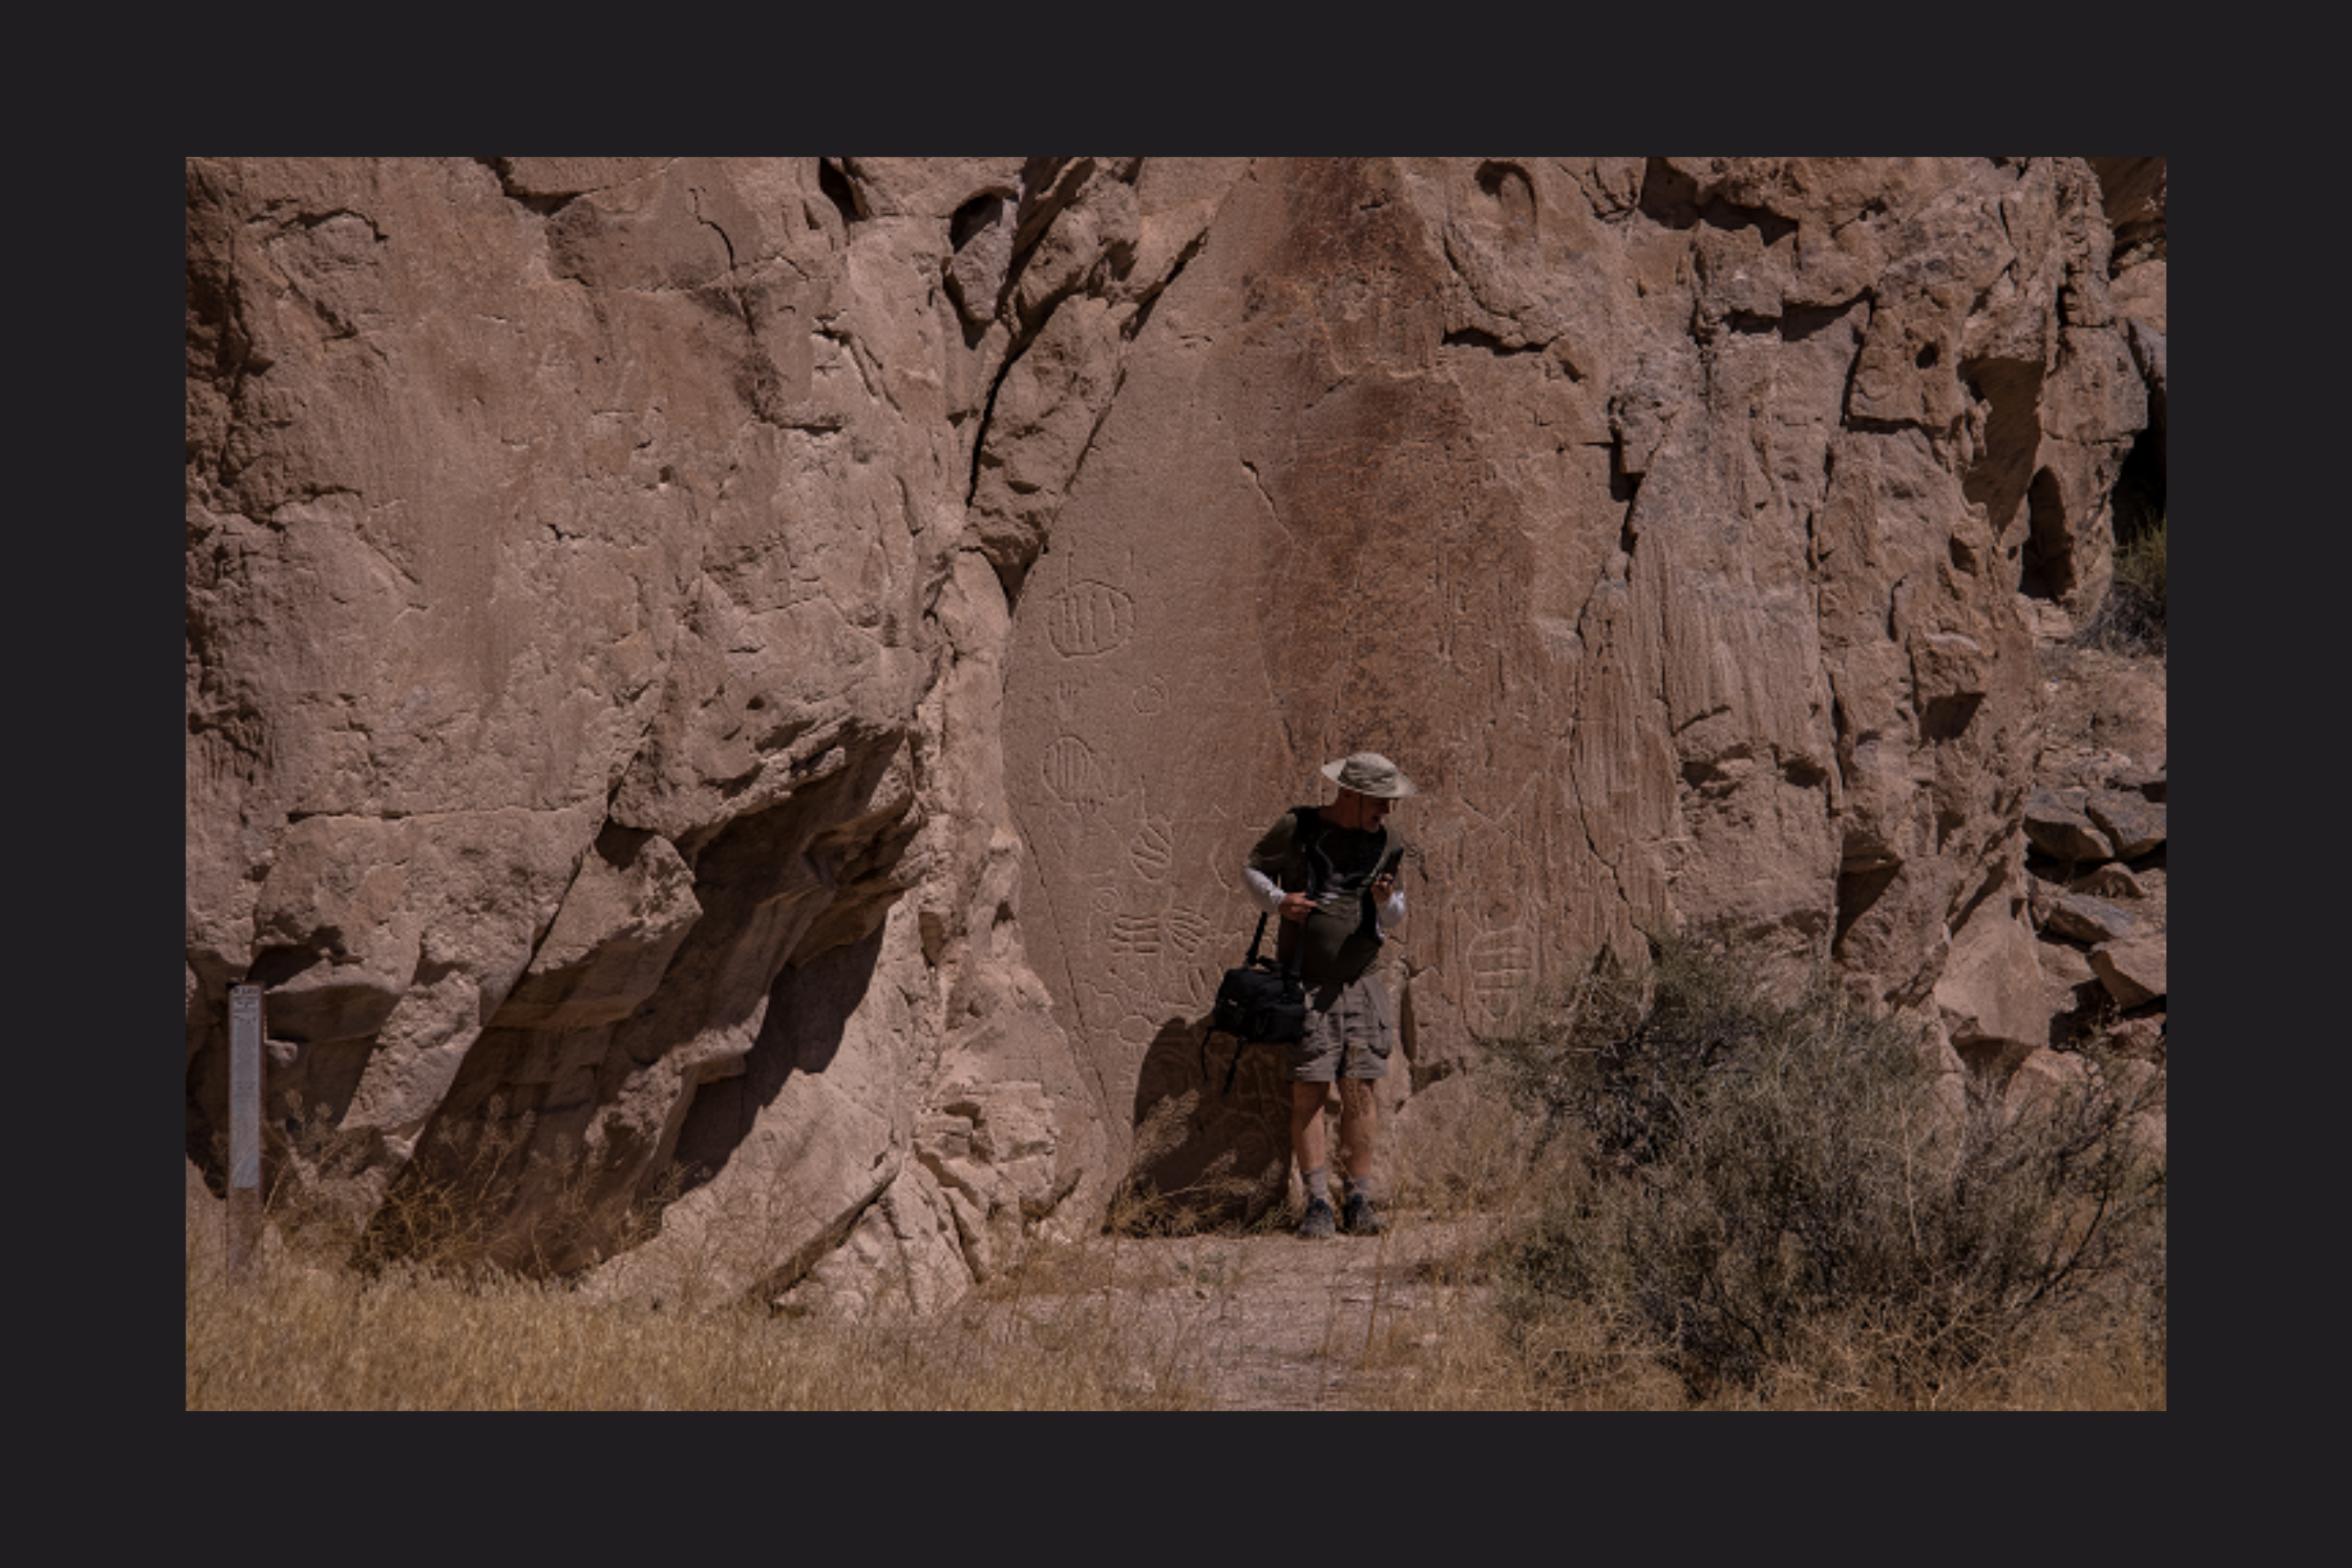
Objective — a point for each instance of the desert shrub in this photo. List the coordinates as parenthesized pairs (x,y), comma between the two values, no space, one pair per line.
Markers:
(2131,618)
(1788,1189)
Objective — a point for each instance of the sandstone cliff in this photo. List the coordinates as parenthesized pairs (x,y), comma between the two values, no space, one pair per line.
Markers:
(749,680)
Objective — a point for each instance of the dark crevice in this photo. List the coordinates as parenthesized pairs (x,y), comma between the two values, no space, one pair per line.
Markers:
(1858,890)
(1769,226)
(1047,185)
(275,966)
(545,203)
(1669,197)
(1803,771)
(1623,486)
(980,436)
(1474,338)
(1946,718)
(2140,499)
(1863,424)
(974,218)
(839,191)
(2047,570)
(1799,322)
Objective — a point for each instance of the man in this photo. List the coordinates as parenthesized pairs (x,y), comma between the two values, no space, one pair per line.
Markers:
(1330,873)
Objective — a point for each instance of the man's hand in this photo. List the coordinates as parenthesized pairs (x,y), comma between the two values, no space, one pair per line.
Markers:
(1383,887)
(1297,906)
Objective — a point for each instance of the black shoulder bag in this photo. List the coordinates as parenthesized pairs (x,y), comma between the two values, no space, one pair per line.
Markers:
(1263,1000)
(1259,1001)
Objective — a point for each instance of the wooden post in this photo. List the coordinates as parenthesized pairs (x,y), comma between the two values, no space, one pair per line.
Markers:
(243,1127)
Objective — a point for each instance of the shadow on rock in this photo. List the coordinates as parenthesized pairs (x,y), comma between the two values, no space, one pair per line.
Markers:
(1203,1156)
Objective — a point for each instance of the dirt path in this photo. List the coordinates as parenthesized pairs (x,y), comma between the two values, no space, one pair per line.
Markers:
(1263,1322)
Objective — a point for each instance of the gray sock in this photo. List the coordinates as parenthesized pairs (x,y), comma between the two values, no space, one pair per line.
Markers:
(1355,1185)
(1318,1184)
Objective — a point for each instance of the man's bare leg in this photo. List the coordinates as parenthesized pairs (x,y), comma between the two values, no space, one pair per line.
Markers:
(1307,1141)
(1308,1147)
(1359,1125)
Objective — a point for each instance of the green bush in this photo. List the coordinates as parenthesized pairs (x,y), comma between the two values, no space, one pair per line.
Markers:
(1790,1189)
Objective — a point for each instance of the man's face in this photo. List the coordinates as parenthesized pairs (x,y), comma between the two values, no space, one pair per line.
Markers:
(1361,812)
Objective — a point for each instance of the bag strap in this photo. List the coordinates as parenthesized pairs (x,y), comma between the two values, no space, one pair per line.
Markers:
(1310,827)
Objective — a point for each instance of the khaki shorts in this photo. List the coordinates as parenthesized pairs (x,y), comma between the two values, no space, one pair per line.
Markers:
(1350,1033)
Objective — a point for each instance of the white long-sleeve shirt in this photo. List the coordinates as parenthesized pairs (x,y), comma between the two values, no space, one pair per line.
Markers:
(1268,896)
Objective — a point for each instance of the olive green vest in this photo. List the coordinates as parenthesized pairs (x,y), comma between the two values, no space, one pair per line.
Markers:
(1341,934)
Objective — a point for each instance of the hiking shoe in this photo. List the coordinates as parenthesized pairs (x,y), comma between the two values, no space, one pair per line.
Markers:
(1317,1224)
(1358,1218)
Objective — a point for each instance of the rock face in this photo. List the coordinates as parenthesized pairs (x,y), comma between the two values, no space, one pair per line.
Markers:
(744,686)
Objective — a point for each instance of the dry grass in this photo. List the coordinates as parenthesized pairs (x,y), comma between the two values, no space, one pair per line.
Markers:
(2130,620)
(298,1334)
(1512,1277)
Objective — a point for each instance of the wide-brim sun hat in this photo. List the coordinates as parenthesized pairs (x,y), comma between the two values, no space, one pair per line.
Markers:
(1368,772)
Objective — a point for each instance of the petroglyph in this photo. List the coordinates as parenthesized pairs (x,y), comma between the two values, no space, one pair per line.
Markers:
(1502,966)
(1089,618)
(1152,697)
(1135,935)
(1187,930)
(1153,848)
(1075,774)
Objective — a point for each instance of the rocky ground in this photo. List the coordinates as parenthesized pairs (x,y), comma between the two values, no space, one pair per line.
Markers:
(1263,1322)
(2099,898)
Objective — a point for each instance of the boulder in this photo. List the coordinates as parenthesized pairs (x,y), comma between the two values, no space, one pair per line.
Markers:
(2133,824)
(2057,825)
(1990,995)
(2043,1081)
(2088,919)
(2112,880)
(2148,782)
(2064,964)
(2132,969)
